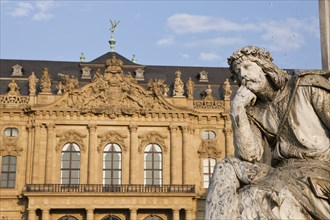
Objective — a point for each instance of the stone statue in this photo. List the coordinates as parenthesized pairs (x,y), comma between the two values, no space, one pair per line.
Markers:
(208,93)
(32,84)
(45,82)
(59,88)
(190,88)
(281,122)
(178,85)
(13,88)
(226,88)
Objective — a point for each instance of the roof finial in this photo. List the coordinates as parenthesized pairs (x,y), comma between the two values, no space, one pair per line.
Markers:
(82,57)
(134,58)
(112,40)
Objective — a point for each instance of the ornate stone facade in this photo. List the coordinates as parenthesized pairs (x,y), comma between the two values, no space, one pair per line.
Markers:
(61,135)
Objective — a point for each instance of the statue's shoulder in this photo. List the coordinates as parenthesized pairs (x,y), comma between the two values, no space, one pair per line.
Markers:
(315,78)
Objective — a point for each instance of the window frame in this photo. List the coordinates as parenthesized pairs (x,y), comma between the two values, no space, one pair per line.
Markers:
(112,170)
(11,132)
(70,169)
(8,173)
(154,150)
(208,175)
(206,135)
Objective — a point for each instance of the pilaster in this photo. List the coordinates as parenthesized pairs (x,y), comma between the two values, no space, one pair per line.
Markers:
(93,156)
(134,159)
(50,152)
(176,156)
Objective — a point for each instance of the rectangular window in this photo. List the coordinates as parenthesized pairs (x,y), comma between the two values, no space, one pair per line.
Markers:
(8,172)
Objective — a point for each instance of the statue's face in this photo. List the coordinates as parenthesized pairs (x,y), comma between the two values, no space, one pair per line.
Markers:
(251,75)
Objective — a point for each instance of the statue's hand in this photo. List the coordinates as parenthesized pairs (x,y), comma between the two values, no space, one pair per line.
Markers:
(243,97)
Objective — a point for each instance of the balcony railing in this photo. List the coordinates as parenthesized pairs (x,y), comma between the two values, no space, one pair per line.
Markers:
(99,188)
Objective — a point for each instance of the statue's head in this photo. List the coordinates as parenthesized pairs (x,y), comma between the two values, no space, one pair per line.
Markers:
(261,57)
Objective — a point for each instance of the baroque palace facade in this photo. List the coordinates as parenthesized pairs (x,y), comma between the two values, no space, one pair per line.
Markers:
(110,139)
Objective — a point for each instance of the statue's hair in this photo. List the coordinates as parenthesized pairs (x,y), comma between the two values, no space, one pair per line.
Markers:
(264,59)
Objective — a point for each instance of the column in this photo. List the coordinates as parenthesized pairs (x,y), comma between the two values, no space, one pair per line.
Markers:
(324,15)
(133,214)
(134,155)
(176,156)
(45,214)
(49,152)
(36,154)
(176,214)
(32,214)
(90,214)
(28,169)
(92,156)
(185,154)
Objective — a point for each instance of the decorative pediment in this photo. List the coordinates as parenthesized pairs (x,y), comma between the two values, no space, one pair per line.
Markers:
(114,93)
(209,148)
(152,138)
(112,137)
(69,137)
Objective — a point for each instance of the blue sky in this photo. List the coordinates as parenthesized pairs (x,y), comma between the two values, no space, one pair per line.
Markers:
(183,33)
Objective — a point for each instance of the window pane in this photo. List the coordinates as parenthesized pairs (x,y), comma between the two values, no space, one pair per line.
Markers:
(157,174)
(75,156)
(66,156)
(65,164)
(4,176)
(75,164)
(148,174)
(12,176)
(147,165)
(3,183)
(5,160)
(75,174)
(116,174)
(4,168)
(65,181)
(11,184)
(65,174)
(74,181)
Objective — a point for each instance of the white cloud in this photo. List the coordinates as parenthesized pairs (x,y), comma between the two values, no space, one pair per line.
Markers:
(186,23)
(42,16)
(219,41)
(23,9)
(209,56)
(184,56)
(166,41)
(38,10)
(283,35)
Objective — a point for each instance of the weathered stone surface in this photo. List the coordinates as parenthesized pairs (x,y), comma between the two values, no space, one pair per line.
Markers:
(281,137)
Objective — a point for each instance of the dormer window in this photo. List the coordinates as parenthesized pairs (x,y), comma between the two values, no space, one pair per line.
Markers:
(17,70)
(203,76)
(11,132)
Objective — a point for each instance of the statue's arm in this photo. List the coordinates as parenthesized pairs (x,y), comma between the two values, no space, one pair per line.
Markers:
(247,137)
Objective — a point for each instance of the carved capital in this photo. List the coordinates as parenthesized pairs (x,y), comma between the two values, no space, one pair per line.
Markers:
(92,127)
(71,136)
(173,129)
(112,137)
(50,127)
(187,129)
(133,128)
(152,138)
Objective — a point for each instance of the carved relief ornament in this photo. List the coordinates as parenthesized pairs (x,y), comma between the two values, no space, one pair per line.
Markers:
(9,146)
(112,137)
(152,138)
(209,148)
(71,136)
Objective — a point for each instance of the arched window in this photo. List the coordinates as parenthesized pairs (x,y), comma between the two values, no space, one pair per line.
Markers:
(70,167)
(209,135)
(8,172)
(11,132)
(208,167)
(68,217)
(153,217)
(112,164)
(111,217)
(153,169)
